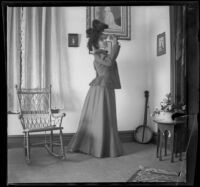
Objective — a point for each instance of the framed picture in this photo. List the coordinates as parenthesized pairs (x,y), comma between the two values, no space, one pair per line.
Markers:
(116,17)
(161,44)
(73,40)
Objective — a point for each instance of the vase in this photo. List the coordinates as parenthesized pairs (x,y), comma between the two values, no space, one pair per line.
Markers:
(164,116)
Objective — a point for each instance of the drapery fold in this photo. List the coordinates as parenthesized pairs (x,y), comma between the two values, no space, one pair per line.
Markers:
(13,56)
(178,28)
(37,37)
(180,54)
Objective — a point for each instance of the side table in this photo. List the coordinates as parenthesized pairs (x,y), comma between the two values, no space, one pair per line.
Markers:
(173,127)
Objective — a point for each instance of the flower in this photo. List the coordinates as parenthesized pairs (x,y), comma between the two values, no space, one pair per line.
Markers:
(167,105)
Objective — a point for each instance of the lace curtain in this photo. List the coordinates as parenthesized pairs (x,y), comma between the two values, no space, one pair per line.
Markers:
(36,53)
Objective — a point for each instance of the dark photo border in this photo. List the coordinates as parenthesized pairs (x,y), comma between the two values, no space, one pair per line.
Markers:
(193,60)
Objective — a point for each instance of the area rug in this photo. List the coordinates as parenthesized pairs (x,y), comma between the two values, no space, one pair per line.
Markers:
(156,175)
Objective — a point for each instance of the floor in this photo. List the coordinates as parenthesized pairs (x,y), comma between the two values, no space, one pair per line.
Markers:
(85,168)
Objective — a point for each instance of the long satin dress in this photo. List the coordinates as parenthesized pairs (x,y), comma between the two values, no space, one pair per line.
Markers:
(97,132)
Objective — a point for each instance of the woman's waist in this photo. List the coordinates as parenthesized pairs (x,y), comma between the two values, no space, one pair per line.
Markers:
(105,81)
(106,77)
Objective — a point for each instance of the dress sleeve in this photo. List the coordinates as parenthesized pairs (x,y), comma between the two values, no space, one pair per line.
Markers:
(108,59)
(115,51)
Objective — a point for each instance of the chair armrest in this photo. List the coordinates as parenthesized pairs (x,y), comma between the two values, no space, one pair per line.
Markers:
(58,115)
(20,117)
(57,119)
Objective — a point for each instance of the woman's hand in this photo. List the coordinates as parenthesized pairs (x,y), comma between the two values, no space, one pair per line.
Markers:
(114,39)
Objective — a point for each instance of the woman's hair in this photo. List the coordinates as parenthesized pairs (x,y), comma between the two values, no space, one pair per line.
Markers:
(94,33)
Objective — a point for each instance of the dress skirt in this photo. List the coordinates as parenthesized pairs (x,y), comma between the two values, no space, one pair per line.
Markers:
(97,132)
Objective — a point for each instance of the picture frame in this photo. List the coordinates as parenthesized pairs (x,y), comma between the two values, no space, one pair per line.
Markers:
(161,44)
(117,17)
(73,40)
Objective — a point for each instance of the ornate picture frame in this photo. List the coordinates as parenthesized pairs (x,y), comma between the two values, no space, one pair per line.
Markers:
(118,19)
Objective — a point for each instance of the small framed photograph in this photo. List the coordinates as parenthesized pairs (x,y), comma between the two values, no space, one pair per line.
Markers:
(73,40)
(161,44)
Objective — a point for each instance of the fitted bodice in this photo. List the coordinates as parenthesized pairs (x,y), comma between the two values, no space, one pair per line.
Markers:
(106,69)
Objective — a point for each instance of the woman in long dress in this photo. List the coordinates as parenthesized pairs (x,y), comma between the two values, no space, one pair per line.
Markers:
(97,132)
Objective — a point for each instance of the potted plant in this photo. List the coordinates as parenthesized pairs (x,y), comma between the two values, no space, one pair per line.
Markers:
(168,108)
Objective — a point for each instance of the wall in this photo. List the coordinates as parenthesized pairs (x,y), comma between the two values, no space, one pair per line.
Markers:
(132,69)
(157,19)
(139,67)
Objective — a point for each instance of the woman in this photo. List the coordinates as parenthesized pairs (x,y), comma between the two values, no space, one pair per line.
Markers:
(97,133)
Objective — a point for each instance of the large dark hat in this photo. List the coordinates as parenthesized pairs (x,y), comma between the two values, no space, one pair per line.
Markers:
(97,27)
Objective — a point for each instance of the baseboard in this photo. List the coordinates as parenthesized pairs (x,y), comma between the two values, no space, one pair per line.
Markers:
(16,141)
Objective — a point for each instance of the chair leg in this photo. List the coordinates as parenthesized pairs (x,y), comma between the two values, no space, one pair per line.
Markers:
(62,145)
(51,141)
(27,148)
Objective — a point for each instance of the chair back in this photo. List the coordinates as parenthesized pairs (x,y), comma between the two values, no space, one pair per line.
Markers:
(35,107)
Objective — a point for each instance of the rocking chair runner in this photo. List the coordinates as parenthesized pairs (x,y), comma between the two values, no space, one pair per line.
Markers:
(35,116)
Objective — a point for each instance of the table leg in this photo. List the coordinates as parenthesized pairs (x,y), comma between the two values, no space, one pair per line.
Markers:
(180,156)
(181,144)
(158,143)
(176,143)
(172,146)
(160,156)
(166,140)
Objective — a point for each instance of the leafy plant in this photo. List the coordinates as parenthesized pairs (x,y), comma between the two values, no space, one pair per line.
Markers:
(166,105)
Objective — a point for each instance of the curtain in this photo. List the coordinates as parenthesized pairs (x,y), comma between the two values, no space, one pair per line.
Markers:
(13,56)
(178,29)
(37,53)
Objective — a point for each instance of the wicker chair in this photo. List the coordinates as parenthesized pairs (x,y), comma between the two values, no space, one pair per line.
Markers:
(36,116)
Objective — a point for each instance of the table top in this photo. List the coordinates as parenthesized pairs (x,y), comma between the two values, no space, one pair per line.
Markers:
(168,122)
